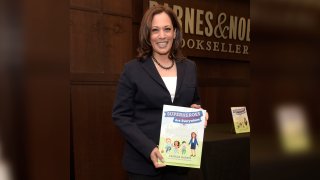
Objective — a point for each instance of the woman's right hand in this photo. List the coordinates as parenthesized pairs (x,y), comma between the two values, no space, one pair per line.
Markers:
(155,155)
(197,106)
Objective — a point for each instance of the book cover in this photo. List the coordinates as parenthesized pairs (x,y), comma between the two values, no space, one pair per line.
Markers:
(181,136)
(240,119)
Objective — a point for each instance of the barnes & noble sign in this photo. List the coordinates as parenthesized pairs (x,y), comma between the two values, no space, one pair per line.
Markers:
(212,29)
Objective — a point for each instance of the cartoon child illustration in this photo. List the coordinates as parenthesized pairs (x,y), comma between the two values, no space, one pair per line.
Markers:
(176,146)
(193,142)
(183,147)
(168,145)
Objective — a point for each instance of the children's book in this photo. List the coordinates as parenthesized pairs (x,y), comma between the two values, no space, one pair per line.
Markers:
(181,137)
(240,119)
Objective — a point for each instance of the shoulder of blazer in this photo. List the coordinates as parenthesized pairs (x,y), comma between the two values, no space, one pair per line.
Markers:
(188,62)
(132,62)
(132,66)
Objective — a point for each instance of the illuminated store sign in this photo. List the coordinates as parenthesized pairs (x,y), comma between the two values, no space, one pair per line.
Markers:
(211,29)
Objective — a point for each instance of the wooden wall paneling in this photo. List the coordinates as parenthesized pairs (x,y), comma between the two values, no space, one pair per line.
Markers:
(117,44)
(101,43)
(137,13)
(220,68)
(44,91)
(97,142)
(47,125)
(208,97)
(137,10)
(231,97)
(87,4)
(217,100)
(223,84)
(86,43)
(118,7)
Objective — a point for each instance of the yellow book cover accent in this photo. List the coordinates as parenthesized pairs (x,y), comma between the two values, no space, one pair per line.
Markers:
(240,119)
(181,136)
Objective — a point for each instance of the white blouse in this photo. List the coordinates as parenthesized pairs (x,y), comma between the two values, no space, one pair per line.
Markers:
(171,84)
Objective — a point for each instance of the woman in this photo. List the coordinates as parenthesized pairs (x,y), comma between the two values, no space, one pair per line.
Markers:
(193,143)
(159,75)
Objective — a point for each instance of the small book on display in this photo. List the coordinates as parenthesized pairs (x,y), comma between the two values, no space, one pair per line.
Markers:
(181,136)
(240,119)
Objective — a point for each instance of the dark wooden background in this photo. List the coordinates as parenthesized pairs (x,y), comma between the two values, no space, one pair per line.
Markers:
(74,53)
(103,37)
(60,62)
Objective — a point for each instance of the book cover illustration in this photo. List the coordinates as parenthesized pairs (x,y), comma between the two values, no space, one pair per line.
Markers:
(240,119)
(181,137)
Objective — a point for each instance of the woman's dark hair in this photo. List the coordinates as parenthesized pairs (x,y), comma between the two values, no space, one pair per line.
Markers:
(145,47)
(174,143)
(194,134)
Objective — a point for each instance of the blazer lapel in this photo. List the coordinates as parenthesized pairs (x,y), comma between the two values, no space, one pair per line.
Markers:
(180,75)
(150,68)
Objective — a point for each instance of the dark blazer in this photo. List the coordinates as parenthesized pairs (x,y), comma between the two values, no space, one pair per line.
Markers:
(193,144)
(138,107)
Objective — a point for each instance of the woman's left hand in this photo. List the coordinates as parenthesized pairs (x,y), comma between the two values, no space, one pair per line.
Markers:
(197,106)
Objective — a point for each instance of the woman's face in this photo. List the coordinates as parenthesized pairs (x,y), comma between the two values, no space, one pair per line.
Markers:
(162,34)
(193,135)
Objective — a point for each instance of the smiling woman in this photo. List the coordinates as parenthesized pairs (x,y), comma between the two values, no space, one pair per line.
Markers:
(162,34)
(159,75)
(160,31)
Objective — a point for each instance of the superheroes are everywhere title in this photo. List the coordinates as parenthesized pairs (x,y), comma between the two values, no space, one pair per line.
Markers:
(185,117)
